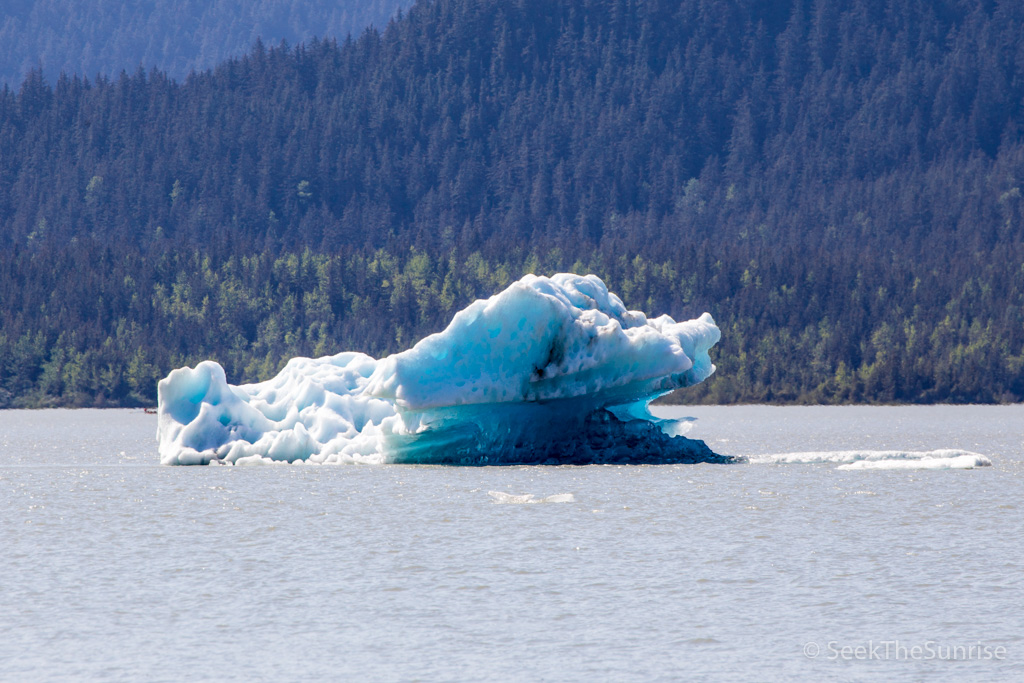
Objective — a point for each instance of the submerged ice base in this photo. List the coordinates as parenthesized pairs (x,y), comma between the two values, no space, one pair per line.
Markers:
(549,371)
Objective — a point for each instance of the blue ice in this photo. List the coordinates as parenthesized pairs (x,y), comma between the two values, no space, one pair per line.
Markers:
(549,371)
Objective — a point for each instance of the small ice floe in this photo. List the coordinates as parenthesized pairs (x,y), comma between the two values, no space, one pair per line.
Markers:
(941,459)
(529,498)
(960,462)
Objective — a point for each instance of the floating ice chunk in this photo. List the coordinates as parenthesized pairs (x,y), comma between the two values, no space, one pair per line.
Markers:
(529,498)
(858,456)
(942,459)
(551,370)
(960,462)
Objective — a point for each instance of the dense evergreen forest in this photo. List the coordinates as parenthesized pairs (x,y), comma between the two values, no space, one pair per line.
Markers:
(839,186)
(89,37)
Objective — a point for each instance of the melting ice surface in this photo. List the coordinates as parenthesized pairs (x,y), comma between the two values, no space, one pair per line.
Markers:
(551,370)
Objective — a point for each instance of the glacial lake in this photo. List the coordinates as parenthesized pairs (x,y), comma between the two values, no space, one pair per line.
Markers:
(115,568)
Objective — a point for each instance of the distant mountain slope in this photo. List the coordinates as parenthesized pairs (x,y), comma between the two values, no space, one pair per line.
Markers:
(840,186)
(89,37)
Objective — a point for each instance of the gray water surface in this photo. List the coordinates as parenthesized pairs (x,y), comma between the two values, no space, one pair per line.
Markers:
(115,568)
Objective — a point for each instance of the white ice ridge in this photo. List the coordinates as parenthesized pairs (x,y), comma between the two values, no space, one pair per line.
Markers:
(551,370)
(944,458)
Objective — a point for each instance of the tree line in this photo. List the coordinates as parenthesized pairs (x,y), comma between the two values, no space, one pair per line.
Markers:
(794,330)
(90,37)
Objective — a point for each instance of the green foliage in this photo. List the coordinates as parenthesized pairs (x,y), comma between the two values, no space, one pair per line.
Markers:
(786,341)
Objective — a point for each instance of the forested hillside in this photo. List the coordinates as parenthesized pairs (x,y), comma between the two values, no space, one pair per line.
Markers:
(90,37)
(839,187)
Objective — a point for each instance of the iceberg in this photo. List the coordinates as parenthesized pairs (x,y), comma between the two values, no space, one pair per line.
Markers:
(549,371)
